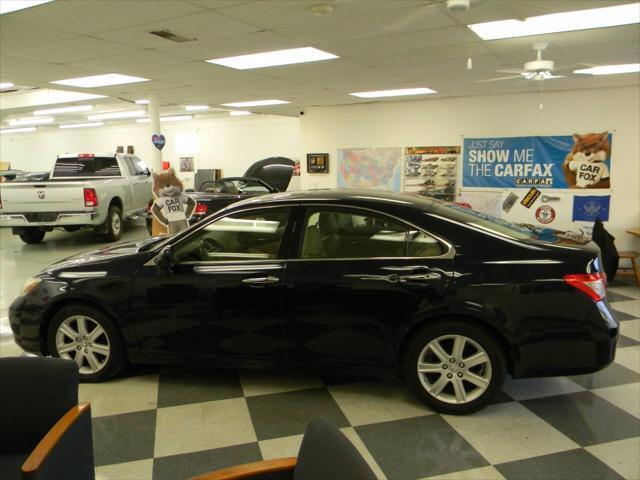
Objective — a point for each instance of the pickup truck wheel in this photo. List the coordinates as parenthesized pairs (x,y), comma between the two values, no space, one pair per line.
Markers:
(32,235)
(114,224)
(88,337)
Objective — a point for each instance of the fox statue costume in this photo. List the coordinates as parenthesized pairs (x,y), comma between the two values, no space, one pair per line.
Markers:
(171,207)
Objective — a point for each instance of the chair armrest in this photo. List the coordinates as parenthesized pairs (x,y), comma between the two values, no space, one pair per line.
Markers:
(69,434)
(251,470)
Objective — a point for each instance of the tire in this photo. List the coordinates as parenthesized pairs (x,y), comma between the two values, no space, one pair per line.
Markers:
(114,224)
(444,385)
(32,235)
(98,358)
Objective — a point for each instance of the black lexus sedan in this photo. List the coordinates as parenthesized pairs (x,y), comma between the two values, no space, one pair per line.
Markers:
(362,282)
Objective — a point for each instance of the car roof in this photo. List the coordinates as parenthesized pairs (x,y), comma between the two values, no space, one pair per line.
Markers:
(376,199)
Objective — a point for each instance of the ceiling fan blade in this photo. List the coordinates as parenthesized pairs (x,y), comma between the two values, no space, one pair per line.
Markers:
(573,66)
(497,79)
(510,70)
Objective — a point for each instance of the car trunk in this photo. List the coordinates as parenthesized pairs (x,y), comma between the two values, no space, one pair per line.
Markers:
(275,171)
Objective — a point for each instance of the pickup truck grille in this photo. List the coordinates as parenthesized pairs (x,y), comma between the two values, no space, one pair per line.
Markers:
(41,217)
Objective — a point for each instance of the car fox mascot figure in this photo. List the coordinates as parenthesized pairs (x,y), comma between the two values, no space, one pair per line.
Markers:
(171,208)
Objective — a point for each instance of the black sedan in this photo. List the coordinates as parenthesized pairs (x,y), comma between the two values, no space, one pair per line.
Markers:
(361,282)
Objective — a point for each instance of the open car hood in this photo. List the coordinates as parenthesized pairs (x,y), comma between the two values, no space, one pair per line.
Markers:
(275,171)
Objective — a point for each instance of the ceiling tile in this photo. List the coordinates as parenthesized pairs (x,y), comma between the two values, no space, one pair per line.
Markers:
(15,35)
(72,50)
(93,16)
(130,61)
(30,71)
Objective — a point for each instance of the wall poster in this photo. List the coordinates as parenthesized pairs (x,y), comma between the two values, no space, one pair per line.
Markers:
(431,171)
(369,168)
(578,161)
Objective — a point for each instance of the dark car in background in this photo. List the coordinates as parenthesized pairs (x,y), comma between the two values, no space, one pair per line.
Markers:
(358,282)
(270,175)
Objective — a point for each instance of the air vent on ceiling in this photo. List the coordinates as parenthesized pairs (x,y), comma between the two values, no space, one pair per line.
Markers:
(172,36)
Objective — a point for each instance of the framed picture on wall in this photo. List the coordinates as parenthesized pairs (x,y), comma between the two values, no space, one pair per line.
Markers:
(317,163)
(186,164)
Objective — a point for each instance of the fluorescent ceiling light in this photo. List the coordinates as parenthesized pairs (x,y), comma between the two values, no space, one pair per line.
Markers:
(239,113)
(393,93)
(196,108)
(117,115)
(31,121)
(100,80)
(610,69)
(17,130)
(142,101)
(7,6)
(82,125)
(559,22)
(255,103)
(4,85)
(275,58)
(39,97)
(169,118)
(76,108)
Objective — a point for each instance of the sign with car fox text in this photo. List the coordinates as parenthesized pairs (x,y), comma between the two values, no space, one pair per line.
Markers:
(578,161)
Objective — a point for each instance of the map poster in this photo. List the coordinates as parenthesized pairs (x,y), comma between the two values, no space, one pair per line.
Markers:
(370,168)
(578,161)
(431,171)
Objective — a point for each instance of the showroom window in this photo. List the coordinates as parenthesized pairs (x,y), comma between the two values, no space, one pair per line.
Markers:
(252,235)
(343,234)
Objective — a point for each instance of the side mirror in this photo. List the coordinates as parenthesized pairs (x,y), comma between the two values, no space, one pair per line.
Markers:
(164,260)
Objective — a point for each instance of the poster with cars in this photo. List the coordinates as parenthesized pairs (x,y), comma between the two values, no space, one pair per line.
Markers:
(370,168)
(578,161)
(431,171)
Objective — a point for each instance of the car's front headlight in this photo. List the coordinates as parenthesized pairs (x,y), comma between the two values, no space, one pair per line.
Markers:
(30,284)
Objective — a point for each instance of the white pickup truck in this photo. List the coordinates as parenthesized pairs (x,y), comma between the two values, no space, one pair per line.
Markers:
(96,190)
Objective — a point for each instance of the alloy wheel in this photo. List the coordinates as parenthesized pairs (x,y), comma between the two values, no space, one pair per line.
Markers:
(454,369)
(116,223)
(83,340)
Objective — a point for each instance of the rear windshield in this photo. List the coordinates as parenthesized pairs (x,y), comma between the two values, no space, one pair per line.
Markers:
(484,222)
(86,167)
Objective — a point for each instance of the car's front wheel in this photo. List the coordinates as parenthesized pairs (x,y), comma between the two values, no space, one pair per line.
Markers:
(455,367)
(89,338)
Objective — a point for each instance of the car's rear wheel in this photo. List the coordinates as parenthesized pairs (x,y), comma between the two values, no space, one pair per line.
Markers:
(89,338)
(455,367)
(114,224)
(32,235)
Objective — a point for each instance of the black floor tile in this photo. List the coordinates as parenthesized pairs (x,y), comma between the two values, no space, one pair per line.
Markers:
(571,465)
(124,438)
(418,447)
(626,342)
(284,414)
(190,464)
(611,376)
(200,385)
(617,297)
(503,398)
(622,316)
(585,418)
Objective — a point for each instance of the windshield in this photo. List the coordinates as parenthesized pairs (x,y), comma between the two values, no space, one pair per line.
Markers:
(86,167)
(485,222)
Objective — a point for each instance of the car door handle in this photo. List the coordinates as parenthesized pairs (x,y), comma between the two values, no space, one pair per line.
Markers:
(261,280)
(419,277)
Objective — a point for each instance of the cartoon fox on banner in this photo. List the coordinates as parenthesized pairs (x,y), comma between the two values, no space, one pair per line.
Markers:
(585,166)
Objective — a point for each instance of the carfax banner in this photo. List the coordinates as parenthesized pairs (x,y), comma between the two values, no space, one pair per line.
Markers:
(578,161)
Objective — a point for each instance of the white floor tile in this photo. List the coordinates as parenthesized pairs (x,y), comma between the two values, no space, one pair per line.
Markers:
(262,383)
(139,470)
(483,473)
(629,357)
(626,397)
(121,395)
(631,329)
(622,456)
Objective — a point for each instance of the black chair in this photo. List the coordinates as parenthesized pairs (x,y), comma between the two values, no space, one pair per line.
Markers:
(44,432)
(325,454)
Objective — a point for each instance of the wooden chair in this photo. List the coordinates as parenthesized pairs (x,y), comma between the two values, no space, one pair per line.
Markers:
(325,454)
(633,269)
(44,432)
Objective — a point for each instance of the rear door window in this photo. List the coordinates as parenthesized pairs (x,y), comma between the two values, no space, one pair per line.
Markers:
(86,167)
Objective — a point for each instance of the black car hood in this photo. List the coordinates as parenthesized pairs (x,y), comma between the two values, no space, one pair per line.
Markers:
(101,256)
(275,171)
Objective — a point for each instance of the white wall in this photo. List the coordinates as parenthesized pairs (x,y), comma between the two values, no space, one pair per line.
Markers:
(444,121)
(231,144)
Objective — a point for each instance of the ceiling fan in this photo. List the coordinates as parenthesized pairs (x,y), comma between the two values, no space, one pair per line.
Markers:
(536,70)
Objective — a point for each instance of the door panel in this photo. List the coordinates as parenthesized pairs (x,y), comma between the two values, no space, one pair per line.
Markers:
(356,284)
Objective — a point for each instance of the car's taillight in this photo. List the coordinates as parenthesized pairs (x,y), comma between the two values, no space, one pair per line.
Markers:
(201,209)
(593,284)
(90,197)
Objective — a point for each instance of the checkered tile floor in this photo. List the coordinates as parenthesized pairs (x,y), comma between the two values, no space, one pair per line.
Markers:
(168,424)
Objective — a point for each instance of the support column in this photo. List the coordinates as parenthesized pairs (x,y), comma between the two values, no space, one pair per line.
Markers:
(153,111)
